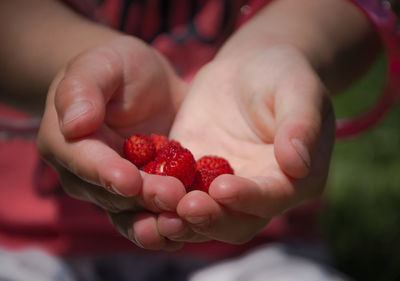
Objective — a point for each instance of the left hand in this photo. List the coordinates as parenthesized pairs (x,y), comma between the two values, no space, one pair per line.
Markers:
(271,118)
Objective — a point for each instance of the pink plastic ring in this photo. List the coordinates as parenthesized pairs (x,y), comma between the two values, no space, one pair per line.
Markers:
(385,22)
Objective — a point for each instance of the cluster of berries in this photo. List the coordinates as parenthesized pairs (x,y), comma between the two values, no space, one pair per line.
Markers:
(156,154)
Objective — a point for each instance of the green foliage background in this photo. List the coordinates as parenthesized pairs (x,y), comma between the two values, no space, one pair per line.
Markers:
(361,217)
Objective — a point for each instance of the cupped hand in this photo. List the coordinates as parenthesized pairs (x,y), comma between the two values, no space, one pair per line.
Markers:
(104,95)
(271,117)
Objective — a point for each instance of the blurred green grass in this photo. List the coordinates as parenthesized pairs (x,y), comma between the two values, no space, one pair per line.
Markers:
(361,217)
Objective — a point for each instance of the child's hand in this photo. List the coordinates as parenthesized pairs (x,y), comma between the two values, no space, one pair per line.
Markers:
(272,119)
(99,99)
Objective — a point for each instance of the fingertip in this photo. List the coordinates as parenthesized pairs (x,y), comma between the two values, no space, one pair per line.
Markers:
(80,119)
(226,189)
(197,207)
(122,178)
(170,225)
(145,234)
(190,202)
(293,149)
(79,105)
(141,229)
(161,193)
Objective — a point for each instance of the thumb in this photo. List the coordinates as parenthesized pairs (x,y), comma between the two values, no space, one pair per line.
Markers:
(83,90)
(300,117)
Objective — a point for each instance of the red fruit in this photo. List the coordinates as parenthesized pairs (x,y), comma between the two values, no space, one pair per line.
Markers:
(140,150)
(214,163)
(151,167)
(203,179)
(174,160)
(159,141)
(207,169)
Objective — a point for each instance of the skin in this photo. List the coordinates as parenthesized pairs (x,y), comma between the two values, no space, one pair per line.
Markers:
(278,131)
(277,127)
(265,138)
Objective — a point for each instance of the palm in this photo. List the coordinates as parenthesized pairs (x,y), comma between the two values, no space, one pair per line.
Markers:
(238,114)
(211,121)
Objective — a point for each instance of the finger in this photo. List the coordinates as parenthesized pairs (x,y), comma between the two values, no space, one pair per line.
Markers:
(161,193)
(95,159)
(82,190)
(142,230)
(205,216)
(299,113)
(112,83)
(275,192)
(264,197)
(173,227)
(86,85)
(168,189)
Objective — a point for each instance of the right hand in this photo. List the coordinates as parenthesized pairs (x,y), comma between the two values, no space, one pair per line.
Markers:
(101,97)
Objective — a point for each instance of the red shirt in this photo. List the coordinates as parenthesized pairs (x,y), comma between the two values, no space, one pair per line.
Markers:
(35,212)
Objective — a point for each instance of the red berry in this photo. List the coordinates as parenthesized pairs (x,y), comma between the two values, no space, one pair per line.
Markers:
(151,167)
(174,160)
(207,169)
(139,149)
(203,179)
(159,141)
(215,163)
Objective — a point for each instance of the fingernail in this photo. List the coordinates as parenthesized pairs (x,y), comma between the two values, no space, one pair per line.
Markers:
(302,151)
(161,205)
(76,110)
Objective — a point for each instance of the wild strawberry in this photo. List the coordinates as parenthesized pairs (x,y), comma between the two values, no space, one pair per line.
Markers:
(207,169)
(203,179)
(159,141)
(215,163)
(174,160)
(151,167)
(139,149)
